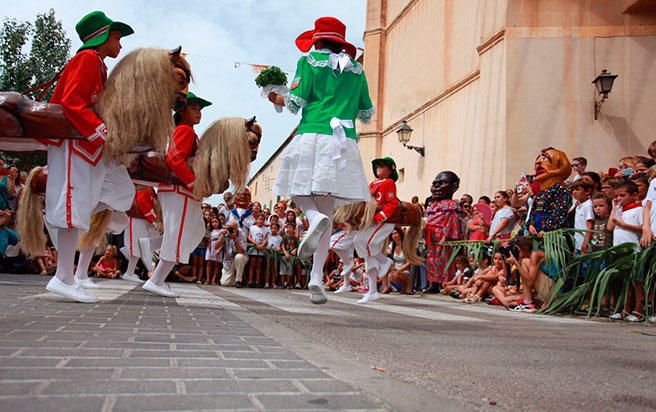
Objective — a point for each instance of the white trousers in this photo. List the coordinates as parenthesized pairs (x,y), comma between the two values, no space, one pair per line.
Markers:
(233,273)
(76,189)
(184,226)
(136,229)
(369,245)
(342,244)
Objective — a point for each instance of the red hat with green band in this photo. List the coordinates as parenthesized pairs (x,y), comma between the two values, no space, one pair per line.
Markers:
(95,27)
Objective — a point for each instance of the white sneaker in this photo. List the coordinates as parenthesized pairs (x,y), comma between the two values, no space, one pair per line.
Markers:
(87,283)
(317,293)
(652,319)
(74,292)
(164,290)
(131,277)
(369,297)
(343,289)
(311,240)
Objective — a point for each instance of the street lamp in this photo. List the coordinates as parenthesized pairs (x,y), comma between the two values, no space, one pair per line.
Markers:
(404,132)
(604,84)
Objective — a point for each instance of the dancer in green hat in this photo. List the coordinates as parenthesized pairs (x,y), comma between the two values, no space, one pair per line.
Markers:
(369,242)
(184,226)
(80,178)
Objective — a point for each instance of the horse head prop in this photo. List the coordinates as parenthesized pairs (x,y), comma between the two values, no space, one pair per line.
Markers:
(138,97)
(225,151)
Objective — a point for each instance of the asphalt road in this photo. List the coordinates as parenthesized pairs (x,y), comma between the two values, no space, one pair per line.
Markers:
(252,349)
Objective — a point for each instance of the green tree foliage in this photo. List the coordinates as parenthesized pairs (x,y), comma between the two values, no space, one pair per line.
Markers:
(48,53)
(50,48)
(14,63)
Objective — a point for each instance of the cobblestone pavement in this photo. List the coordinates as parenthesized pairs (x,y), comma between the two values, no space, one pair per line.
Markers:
(137,351)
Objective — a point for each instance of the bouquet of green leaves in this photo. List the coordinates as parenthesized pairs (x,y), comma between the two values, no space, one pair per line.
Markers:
(272,79)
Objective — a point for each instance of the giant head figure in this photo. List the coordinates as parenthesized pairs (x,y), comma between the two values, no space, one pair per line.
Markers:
(551,167)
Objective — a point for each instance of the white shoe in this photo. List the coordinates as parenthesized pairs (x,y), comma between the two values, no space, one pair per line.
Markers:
(343,289)
(74,292)
(385,268)
(652,319)
(131,277)
(87,283)
(164,290)
(311,240)
(317,294)
(369,297)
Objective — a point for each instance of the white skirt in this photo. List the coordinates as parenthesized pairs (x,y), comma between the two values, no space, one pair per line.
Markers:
(307,168)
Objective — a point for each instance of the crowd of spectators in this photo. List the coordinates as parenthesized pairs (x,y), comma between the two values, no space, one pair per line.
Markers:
(257,247)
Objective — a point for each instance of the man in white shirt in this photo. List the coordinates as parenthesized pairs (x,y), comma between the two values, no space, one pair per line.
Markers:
(233,249)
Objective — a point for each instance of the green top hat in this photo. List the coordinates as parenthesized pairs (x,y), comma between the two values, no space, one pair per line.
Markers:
(94,29)
(389,162)
(192,98)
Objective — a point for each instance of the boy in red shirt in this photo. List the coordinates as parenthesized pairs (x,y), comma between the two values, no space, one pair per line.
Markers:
(81,180)
(369,242)
(184,226)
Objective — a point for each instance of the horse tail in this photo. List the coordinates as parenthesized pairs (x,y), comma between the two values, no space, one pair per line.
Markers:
(97,229)
(356,216)
(29,219)
(410,244)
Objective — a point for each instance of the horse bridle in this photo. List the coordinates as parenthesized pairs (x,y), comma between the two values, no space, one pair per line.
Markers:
(249,127)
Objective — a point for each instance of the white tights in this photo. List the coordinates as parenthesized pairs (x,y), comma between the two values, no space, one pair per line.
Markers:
(132,264)
(161,272)
(66,244)
(312,206)
(346,256)
(83,262)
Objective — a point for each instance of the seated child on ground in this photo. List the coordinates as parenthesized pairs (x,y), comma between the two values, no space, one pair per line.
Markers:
(107,266)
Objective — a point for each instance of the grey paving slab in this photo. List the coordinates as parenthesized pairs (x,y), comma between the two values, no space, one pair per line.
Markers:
(241,386)
(17,388)
(280,374)
(178,373)
(183,402)
(118,363)
(222,363)
(14,374)
(51,404)
(109,387)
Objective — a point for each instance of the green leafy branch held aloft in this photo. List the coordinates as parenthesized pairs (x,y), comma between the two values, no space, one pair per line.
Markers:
(273,75)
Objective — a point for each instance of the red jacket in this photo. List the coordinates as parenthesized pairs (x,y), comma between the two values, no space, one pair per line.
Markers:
(144,203)
(182,146)
(79,86)
(384,191)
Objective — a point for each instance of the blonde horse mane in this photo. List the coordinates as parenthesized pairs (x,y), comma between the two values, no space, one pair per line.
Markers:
(356,216)
(136,103)
(29,218)
(223,154)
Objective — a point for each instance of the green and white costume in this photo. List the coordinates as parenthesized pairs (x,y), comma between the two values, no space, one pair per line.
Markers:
(323,158)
